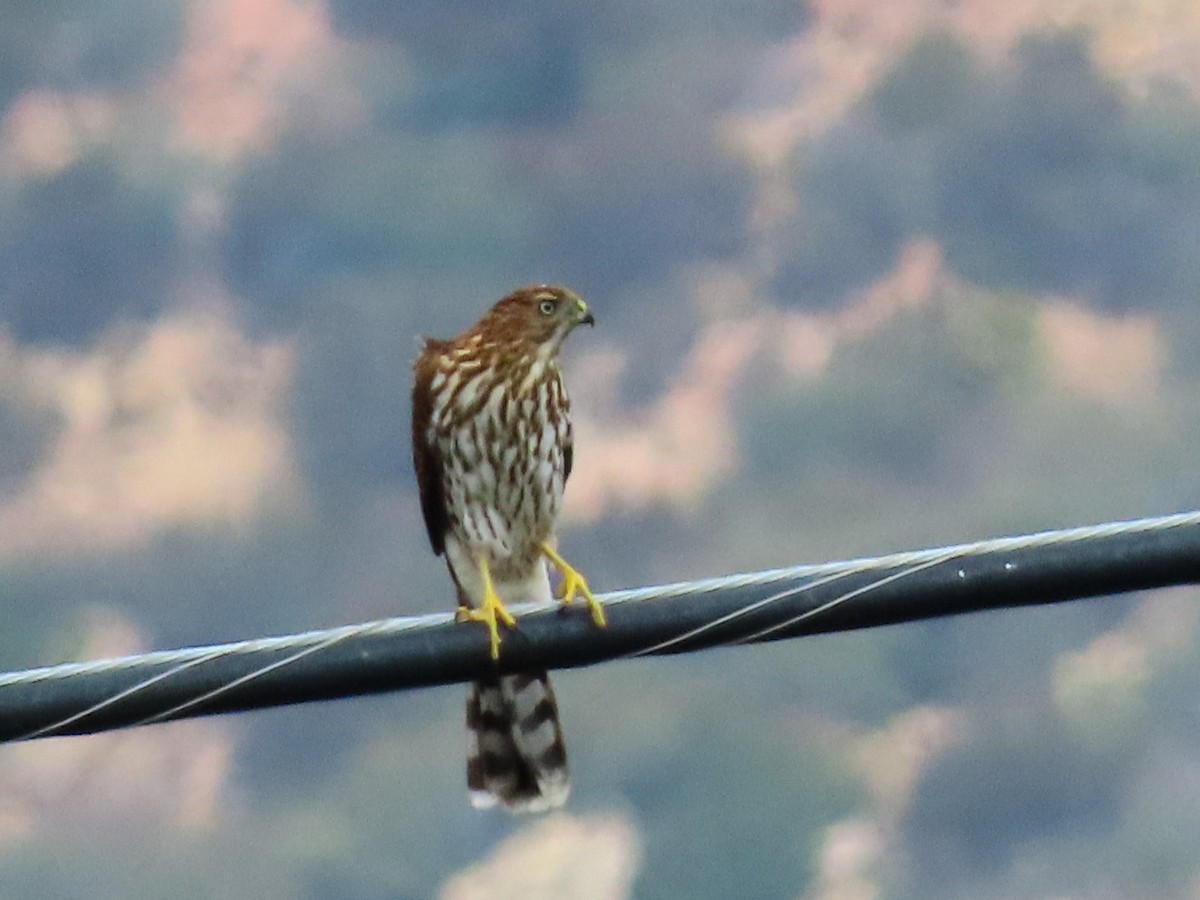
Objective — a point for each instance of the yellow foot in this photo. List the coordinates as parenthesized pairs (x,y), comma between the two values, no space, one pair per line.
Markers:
(573,583)
(491,612)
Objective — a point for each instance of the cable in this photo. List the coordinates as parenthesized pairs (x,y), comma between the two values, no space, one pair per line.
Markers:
(419,651)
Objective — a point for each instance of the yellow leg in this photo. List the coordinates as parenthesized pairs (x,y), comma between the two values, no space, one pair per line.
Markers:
(491,612)
(574,583)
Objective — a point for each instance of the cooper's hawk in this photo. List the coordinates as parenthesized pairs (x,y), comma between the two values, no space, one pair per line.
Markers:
(492,446)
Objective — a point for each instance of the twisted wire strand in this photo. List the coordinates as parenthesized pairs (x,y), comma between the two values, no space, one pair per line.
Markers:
(936,558)
(800,579)
(332,639)
(186,657)
(911,562)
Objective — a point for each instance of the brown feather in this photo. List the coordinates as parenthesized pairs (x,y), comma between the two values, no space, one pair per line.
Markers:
(426,461)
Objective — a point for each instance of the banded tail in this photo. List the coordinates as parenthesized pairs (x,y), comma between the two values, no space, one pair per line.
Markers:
(515,752)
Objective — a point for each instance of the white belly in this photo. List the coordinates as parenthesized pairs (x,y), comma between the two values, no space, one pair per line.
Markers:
(533,587)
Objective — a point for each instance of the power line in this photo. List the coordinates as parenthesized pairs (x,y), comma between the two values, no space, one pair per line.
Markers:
(419,651)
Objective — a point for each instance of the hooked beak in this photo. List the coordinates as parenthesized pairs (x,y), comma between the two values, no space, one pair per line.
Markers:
(585,315)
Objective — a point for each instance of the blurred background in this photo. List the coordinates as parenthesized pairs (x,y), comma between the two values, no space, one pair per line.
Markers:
(868,277)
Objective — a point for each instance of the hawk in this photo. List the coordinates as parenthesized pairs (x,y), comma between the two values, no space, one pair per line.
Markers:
(492,447)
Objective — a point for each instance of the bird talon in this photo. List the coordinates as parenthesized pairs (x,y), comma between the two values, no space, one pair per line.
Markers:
(491,612)
(574,583)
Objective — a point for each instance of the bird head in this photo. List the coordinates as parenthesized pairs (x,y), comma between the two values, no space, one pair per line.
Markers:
(540,314)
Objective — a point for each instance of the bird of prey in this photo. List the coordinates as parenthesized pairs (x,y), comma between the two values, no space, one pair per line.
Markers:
(492,447)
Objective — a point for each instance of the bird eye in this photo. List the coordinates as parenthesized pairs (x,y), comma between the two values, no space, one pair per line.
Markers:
(547,307)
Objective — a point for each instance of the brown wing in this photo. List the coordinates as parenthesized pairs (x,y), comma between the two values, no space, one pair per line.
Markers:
(426,460)
(568,444)
(568,454)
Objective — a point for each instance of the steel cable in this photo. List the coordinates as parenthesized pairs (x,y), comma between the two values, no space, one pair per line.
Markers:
(418,651)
